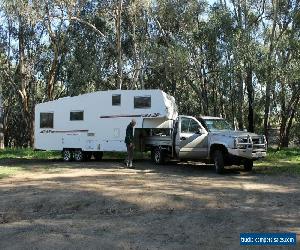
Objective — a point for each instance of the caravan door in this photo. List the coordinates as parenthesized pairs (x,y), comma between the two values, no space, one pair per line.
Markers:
(192,139)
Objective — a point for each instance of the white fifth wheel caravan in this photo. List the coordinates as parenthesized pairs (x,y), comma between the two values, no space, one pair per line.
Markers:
(93,123)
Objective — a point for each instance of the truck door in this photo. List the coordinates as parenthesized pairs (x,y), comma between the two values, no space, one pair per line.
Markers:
(191,141)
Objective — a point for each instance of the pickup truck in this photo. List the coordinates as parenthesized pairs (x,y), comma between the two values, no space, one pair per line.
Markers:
(207,139)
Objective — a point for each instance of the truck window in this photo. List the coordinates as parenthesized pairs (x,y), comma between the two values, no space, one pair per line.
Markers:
(142,102)
(46,120)
(194,126)
(116,100)
(76,116)
(185,125)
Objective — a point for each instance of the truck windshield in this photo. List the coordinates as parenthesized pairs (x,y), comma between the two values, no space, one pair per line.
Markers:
(216,125)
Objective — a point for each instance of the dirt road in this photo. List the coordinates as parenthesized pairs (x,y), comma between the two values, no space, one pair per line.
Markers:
(101,205)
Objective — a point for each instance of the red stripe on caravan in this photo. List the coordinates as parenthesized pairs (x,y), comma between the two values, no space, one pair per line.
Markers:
(119,116)
(70,131)
(49,131)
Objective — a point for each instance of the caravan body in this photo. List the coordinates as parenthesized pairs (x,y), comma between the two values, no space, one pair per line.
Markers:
(97,121)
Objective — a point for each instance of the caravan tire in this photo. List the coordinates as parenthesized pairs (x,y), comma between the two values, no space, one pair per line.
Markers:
(87,156)
(67,155)
(98,156)
(78,155)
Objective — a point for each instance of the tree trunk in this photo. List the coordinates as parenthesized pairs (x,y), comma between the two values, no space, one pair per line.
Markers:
(53,75)
(240,101)
(287,121)
(269,81)
(136,57)
(250,91)
(1,126)
(23,78)
(267,108)
(119,43)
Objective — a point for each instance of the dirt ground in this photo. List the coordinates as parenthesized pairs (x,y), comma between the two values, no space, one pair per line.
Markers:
(102,205)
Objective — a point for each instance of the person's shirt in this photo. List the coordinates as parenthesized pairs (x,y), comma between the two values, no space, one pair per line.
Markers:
(129,134)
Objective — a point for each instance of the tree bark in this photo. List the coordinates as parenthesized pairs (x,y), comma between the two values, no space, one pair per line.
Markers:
(287,120)
(136,56)
(240,101)
(52,75)
(23,78)
(119,43)
(268,72)
(250,91)
(1,125)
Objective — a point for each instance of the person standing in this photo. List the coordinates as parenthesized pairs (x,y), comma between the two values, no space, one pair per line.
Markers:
(129,143)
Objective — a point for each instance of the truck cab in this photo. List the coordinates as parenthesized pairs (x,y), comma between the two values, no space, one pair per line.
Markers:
(210,139)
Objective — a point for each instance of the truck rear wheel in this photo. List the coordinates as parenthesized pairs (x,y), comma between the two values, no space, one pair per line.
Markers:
(218,161)
(248,165)
(158,156)
(67,155)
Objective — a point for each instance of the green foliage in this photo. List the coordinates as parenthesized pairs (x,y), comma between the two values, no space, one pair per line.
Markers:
(9,171)
(30,154)
(286,161)
(199,53)
(21,153)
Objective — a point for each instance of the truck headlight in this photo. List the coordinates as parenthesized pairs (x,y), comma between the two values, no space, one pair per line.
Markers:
(242,143)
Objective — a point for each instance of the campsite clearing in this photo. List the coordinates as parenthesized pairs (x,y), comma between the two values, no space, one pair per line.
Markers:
(49,204)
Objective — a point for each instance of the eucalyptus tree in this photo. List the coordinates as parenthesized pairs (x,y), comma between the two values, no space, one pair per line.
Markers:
(22,51)
(52,16)
(288,68)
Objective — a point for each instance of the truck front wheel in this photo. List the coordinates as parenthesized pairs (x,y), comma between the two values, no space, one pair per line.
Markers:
(157,156)
(218,161)
(248,165)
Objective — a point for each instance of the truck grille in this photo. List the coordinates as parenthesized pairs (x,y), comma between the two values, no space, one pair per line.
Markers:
(259,142)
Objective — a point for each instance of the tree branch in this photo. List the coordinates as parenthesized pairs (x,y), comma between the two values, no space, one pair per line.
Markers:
(93,27)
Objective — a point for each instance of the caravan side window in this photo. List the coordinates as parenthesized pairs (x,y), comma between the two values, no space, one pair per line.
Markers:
(116,100)
(76,116)
(142,102)
(46,120)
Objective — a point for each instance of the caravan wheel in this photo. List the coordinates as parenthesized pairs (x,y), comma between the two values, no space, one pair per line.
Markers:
(78,155)
(87,156)
(98,156)
(67,155)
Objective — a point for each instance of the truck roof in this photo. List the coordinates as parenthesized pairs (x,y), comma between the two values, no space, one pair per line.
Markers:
(211,117)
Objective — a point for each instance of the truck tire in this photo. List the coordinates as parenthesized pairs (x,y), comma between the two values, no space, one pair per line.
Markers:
(248,165)
(67,155)
(98,156)
(218,158)
(158,156)
(78,155)
(87,156)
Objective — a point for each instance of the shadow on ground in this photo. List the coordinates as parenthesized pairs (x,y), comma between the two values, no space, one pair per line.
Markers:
(102,205)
